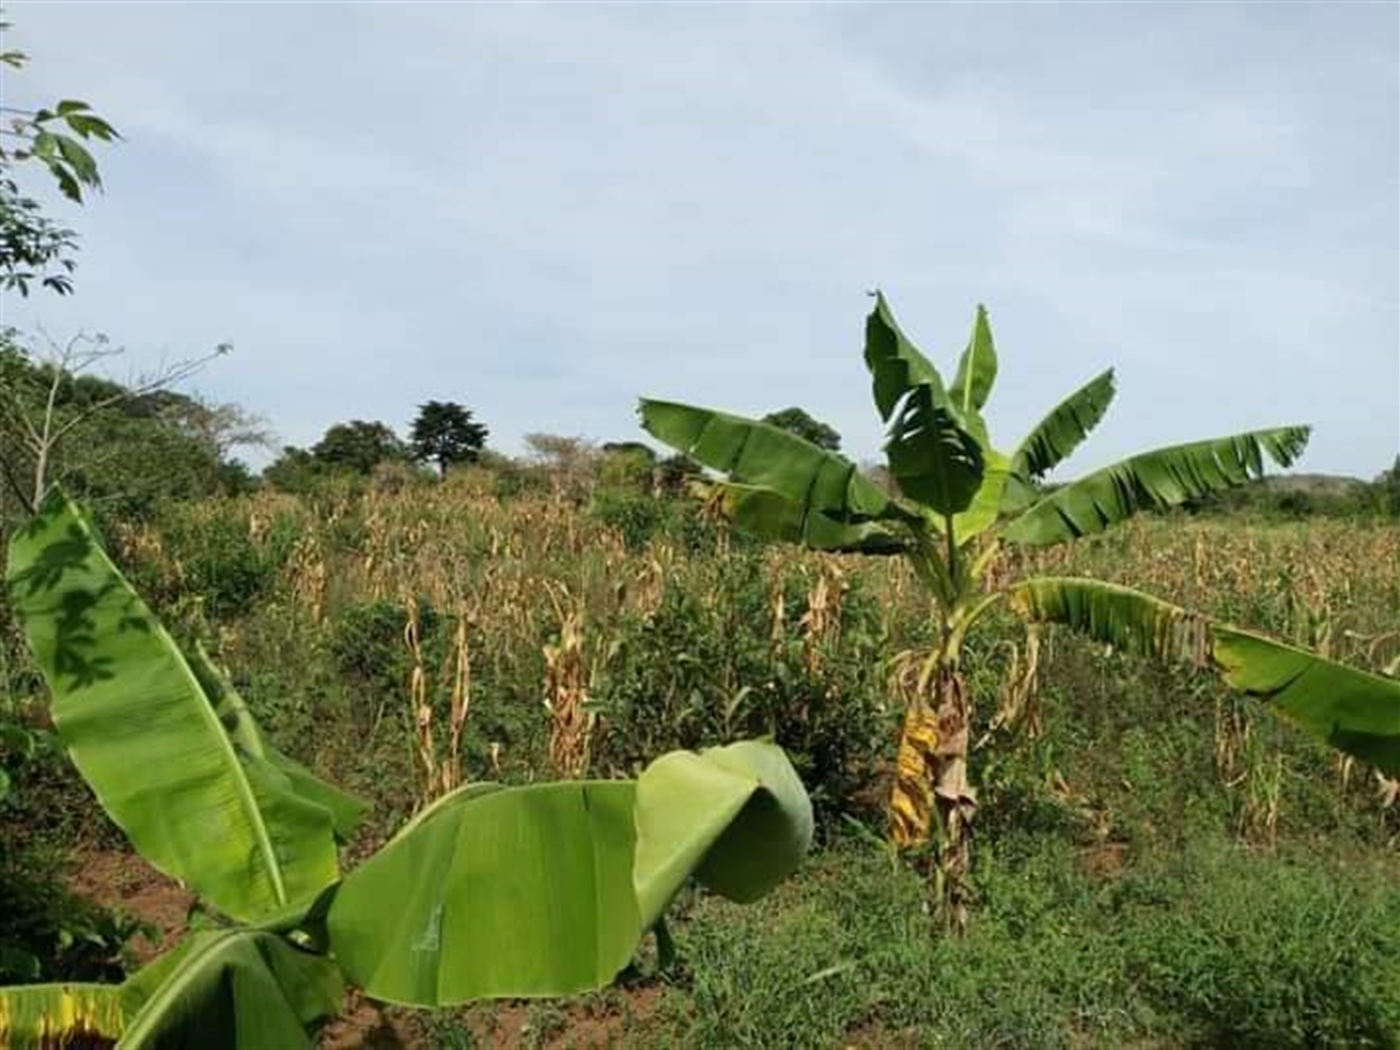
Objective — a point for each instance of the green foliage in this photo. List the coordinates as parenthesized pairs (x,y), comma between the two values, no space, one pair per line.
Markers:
(695,672)
(295,471)
(32,246)
(129,452)
(46,932)
(445,433)
(1169,952)
(473,898)
(358,446)
(796,421)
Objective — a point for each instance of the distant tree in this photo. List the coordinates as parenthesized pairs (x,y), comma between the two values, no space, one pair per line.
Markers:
(359,446)
(445,433)
(1387,488)
(59,423)
(294,471)
(630,448)
(572,463)
(796,421)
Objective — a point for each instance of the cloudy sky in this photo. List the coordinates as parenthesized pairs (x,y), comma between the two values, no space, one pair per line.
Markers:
(543,211)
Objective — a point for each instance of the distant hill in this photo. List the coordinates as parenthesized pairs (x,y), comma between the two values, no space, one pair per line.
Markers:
(1312,484)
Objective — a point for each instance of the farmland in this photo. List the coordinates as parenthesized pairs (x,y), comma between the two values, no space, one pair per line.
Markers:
(1158,862)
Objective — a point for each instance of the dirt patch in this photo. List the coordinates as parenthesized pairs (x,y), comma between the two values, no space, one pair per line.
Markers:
(366,1025)
(121,880)
(611,1018)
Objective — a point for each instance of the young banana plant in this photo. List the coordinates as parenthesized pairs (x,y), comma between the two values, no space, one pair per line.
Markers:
(541,890)
(960,501)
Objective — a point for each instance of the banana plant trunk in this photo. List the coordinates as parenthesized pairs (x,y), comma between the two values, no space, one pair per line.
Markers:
(932,793)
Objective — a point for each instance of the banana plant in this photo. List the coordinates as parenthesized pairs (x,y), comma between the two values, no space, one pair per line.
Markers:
(960,501)
(540,890)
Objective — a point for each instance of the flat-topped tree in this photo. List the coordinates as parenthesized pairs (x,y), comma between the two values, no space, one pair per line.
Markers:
(960,501)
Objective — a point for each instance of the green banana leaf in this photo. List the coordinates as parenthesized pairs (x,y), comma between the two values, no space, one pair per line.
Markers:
(986,506)
(935,450)
(1349,709)
(765,513)
(977,368)
(1160,478)
(896,365)
(243,989)
(759,454)
(547,889)
(1051,441)
(345,809)
(194,799)
(52,1016)
(736,817)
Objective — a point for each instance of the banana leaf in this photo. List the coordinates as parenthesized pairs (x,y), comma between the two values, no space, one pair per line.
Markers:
(547,889)
(977,368)
(345,809)
(243,989)
(1349,709)
(765,513)
(1052,440)
(751,452)
(1160,478)
(935,450)
(194,798)
(54,1016)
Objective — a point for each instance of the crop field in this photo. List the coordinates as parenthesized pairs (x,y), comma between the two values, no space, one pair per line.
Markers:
(1157,862)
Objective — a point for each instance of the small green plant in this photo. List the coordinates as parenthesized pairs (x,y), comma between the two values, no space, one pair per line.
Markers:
(492,891)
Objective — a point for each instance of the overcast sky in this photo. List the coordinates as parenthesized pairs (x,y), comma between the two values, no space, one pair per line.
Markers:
(544,211)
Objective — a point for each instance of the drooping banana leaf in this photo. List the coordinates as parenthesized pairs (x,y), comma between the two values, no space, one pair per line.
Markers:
(195,801)
(765,513)
(754,453)
(547,889)
(1057,435)
(935,450)
(736,817)
(977,368)
(1160,478)
(242,989)
(345,809)
(56,1016)
(1352,710)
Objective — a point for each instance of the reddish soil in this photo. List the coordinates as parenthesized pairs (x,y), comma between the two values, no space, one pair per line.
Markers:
(123,881)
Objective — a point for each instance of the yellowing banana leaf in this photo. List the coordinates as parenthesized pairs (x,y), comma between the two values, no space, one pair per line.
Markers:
(1161,478)
(765,513)
(194,799)
(530,891)
(935,450)
(755,453)
(1351,710)
(55,1016)
(243,989)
